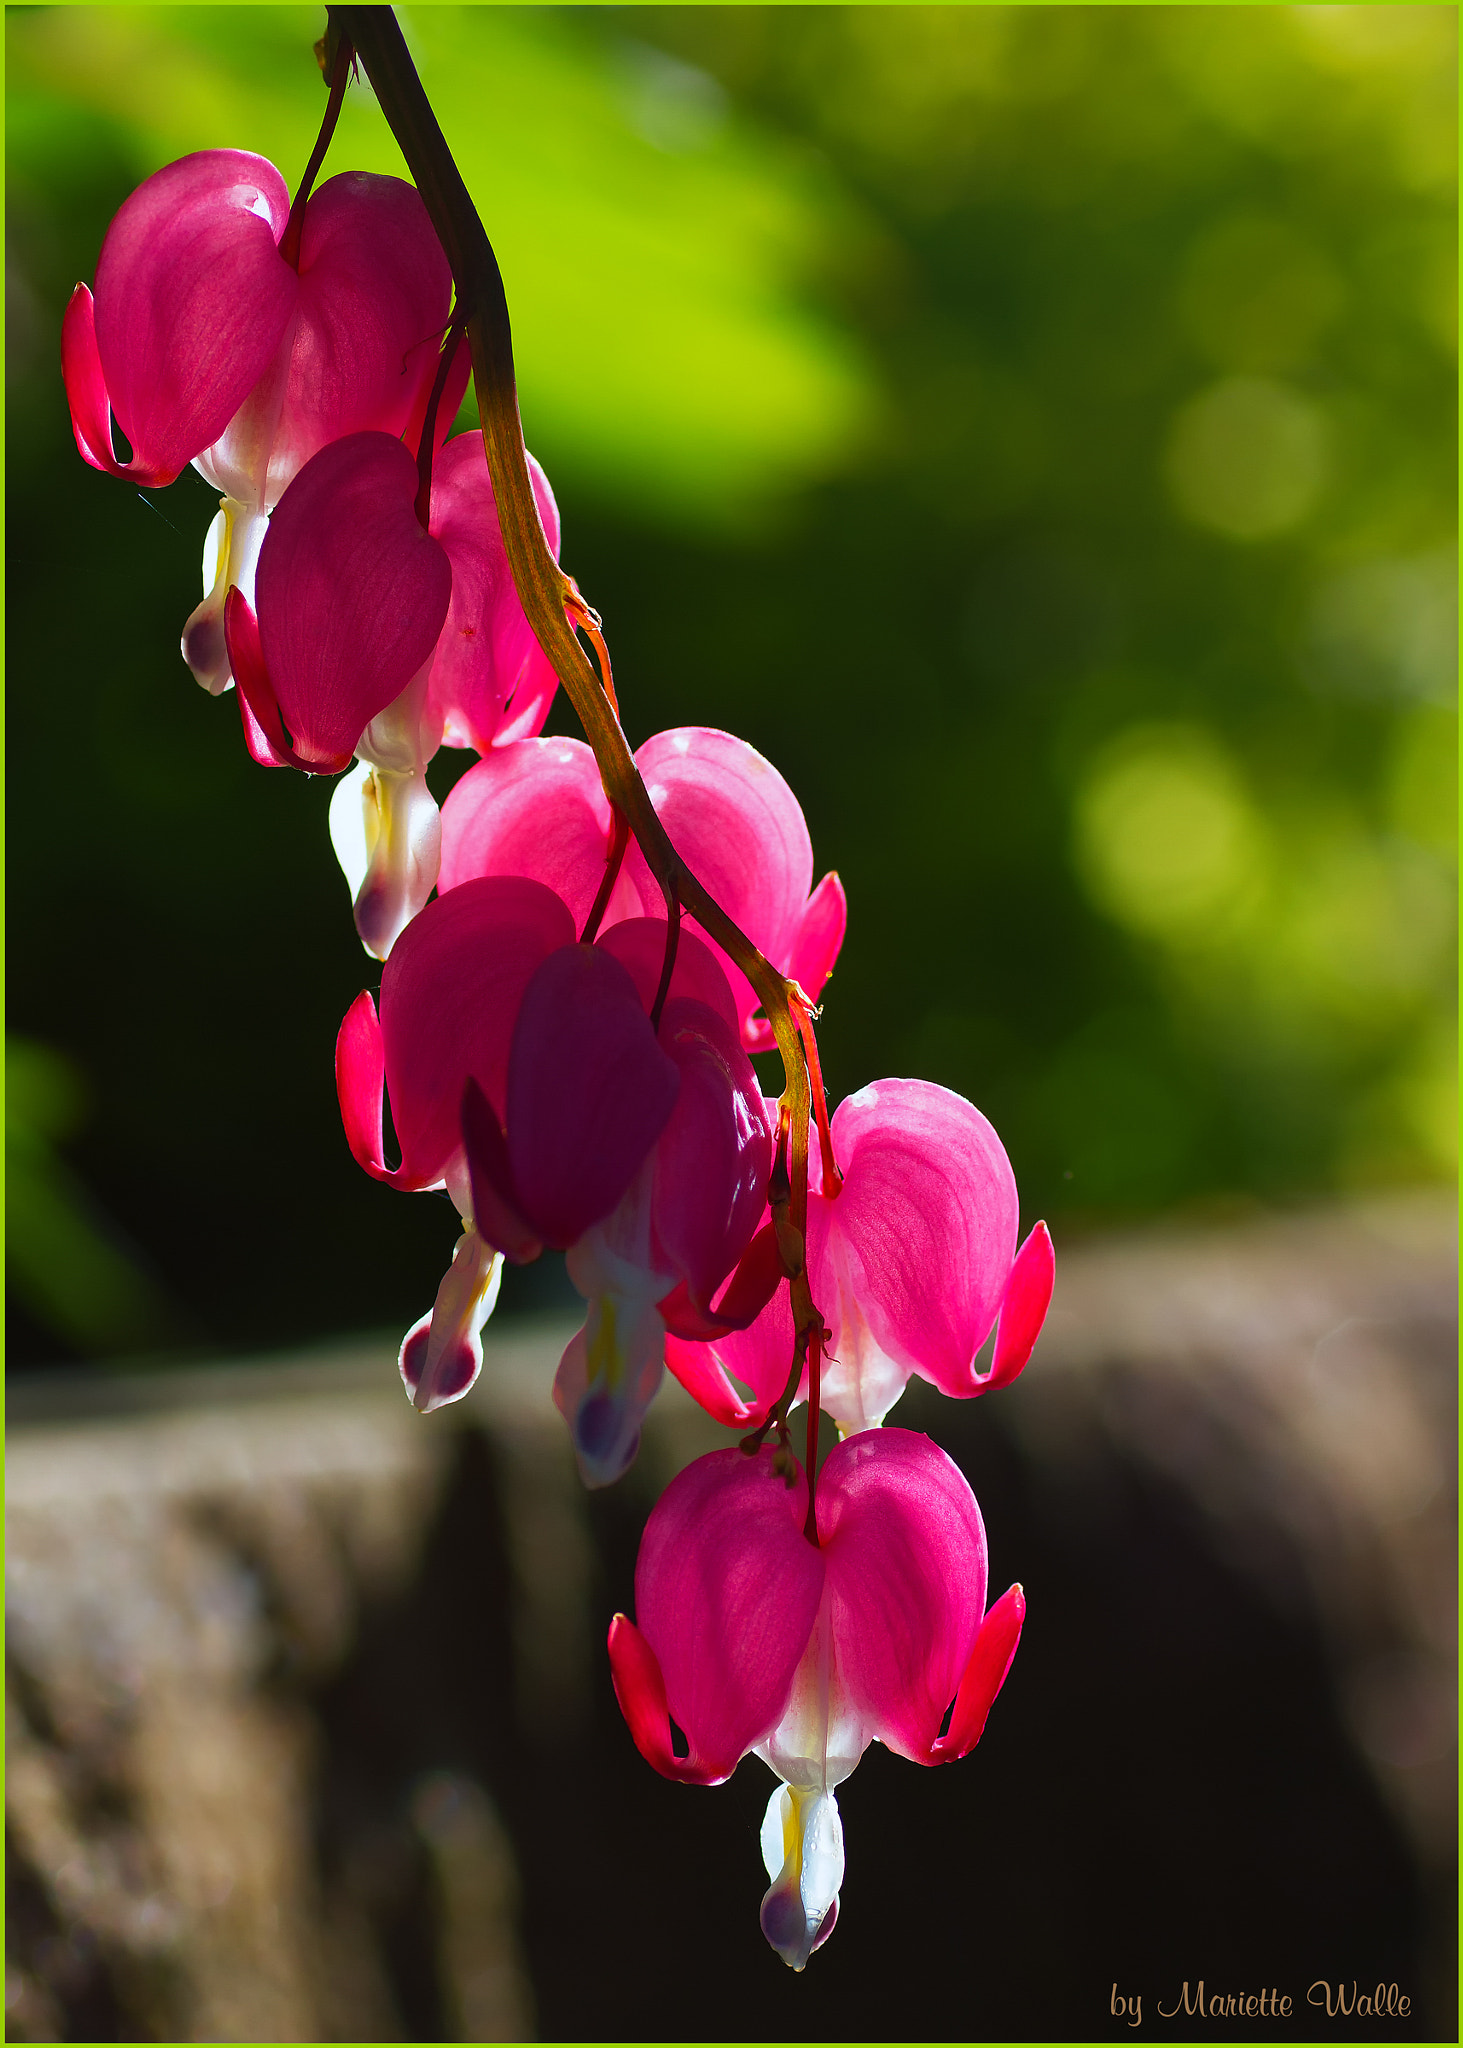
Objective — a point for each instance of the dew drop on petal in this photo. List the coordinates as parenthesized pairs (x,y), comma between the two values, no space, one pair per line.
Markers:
(830,1921)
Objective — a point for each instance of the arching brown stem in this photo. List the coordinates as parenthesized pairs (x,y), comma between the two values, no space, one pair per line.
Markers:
(543,588)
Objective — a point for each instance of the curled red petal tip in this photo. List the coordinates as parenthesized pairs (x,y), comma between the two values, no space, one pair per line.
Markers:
(985,1674)
(640,1690)
(1023,1307)
(264,732)
(360,1082)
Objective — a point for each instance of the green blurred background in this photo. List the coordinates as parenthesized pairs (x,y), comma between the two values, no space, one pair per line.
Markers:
(1032,428)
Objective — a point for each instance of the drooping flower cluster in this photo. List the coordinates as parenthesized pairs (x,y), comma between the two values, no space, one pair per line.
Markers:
(563,1053)
(293,355)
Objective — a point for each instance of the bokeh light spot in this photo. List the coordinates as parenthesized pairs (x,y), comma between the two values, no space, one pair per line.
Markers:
(1389,627)
(1167,840)
(1247,458)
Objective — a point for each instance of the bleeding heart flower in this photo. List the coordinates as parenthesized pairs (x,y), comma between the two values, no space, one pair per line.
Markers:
(352,594)
(571,1165)
(193,300)
(575,1126)
(488,681)
(537,809)
(208,346)
(751,1637)
(450,997)
(491,681)
(373,297)
(738,826)
(912,1265)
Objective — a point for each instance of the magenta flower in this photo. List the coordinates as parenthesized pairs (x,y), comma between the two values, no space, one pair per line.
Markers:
(374,293)
(352,594)
(488,682)
(912,1266)
(526,1078)
(740,829)
(645,1156)
(372,299)
(684,1221)
(728,811)
(208,346)
(588,1093)
(491,681)
(750,1637)
(479,1007)
(450,997)
(192,302)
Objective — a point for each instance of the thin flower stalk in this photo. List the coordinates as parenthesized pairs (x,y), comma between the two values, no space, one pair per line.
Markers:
(546,593)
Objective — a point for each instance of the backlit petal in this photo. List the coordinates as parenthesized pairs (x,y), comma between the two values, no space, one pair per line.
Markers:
(86,384)
(759,1358)
(640,1690)
(1023,1309)
(531,807)
(714,1155)
(985,1674)
(705,1379)
(360,1082)
(589,1091)
(726,1592)
(739,828)
(351,593)
(906,1553)
(491,681)
(450,996)
(192,300)
(819,937)
(927,1224)
(264,732)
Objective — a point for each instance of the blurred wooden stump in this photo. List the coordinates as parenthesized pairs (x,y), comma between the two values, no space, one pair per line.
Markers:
(1298,1376)
(178,1575)
(192,1555)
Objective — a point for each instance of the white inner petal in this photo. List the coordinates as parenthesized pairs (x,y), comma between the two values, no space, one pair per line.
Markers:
(861,1382)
